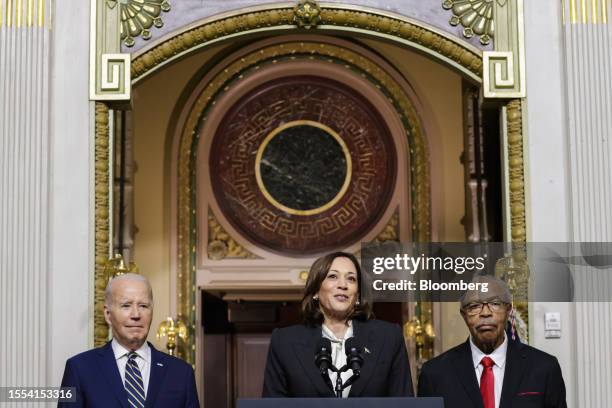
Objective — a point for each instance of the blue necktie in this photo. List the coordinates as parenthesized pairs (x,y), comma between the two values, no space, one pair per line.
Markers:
(133,382)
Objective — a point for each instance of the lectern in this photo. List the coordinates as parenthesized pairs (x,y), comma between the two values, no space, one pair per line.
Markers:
(436,402)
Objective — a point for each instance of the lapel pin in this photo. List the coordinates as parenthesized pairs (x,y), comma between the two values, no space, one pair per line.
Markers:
(367,350)
(160,364)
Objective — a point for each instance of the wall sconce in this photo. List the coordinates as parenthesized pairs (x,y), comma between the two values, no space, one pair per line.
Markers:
(116,266)
(423,334)
(168,328)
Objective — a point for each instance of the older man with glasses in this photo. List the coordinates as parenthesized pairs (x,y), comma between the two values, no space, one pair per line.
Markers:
(489,370)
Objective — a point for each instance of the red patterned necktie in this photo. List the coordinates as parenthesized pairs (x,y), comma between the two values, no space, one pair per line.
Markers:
(487,383)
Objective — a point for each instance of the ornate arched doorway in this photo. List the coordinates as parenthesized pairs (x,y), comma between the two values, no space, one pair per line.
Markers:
(193,241)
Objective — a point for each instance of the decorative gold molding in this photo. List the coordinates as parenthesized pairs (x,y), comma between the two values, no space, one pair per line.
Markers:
(391,230)
(221,245)
(476,17)
(518,274)
(102,219)
(445,48)
(516,170)
(138,16)
(307,13)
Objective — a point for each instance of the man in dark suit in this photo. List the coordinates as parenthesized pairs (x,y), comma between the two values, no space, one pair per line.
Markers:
(128,371)
(491,370)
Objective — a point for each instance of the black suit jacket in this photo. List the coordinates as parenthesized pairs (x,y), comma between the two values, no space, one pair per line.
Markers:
(291,370)
(532,378)
(96,377)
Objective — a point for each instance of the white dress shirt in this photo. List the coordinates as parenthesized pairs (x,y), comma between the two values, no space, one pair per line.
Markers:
(143,361)
(339,356)
(499,358)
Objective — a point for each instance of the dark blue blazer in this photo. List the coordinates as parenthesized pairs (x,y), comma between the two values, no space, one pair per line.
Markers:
(96,377)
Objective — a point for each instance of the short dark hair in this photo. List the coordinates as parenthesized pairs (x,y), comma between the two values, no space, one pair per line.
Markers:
(311,312)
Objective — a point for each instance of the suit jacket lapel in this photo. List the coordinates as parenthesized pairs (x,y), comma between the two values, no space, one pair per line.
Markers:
(464,369)
(374,345)
(515,366)
(304,350)
(111,373)
(157,374)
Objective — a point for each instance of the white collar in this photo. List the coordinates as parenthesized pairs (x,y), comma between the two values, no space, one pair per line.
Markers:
(498,355)
(143,352)
(329,334)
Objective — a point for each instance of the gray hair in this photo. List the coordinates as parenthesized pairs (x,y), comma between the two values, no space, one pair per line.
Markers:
(108,295)
(489,279)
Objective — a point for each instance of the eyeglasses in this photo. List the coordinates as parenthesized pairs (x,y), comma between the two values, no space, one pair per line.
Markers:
(475,308)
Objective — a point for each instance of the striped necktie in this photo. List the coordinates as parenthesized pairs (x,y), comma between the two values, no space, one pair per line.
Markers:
(133,382)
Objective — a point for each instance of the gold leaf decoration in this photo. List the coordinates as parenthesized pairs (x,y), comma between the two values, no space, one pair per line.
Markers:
(102,223)
(241,23)
(307,13)
(476,17)
(518,278)
(221,245)
(391,231)
(138,16)
(517,171)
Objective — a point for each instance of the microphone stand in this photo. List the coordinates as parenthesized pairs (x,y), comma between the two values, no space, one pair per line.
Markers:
(324,363)
(339,385)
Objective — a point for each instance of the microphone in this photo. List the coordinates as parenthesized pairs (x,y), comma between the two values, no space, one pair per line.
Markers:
(323,357)
(354,361)
(323,360)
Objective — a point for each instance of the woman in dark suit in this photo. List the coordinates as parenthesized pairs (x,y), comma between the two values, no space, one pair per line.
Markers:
(332,308)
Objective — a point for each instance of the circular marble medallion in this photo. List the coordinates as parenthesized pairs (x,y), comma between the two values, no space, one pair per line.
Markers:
(302,164)
(303,167)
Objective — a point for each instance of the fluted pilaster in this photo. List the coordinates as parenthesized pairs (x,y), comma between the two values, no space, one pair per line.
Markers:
(588,39)
(24,191)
